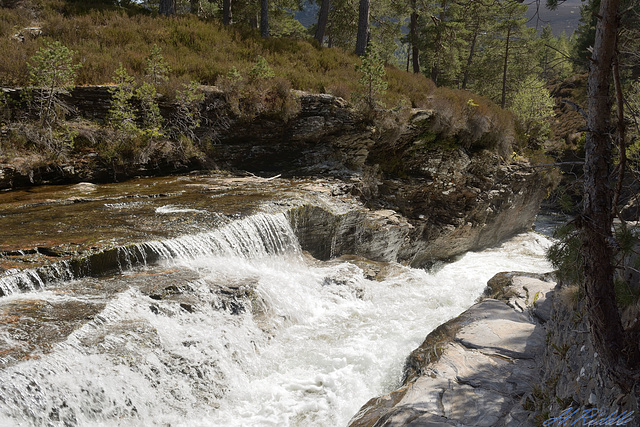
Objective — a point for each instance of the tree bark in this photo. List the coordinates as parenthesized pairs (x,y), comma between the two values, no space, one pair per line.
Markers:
(323,18)
(413,36)
(264,18)
(472,50)
(622,132)
(363,27)
(602,311)
(227,17)
(167,7)
(503,102)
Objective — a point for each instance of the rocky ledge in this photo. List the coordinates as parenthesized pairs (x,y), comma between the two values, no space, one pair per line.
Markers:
(444,180)
(477,369)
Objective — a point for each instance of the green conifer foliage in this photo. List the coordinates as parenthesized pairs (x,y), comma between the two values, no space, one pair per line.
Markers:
(261,70)
(533,106)
(372,78)
(157,70)
(52,72)
(122,114)
(149,109)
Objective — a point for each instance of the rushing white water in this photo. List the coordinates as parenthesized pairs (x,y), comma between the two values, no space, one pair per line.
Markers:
(309,342)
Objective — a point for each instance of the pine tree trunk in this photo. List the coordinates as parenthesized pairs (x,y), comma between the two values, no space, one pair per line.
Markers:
(264,18)
(603,315)
(227,17)
(503,102)
(363,27)
(167,7)
(323,18)
(472,50)
(413,36)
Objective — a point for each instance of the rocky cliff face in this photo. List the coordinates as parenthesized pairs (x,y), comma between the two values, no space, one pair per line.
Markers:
(442,188)
(573,376)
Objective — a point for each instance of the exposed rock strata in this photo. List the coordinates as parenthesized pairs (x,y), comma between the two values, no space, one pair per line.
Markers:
(442,189)
(572,372)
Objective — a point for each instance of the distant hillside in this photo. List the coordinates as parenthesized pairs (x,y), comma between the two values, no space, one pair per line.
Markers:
(565,18)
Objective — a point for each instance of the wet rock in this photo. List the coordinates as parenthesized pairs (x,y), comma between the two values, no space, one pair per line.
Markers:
(187,307)
(471,371)
(523,292)
(370,269)
(31,327)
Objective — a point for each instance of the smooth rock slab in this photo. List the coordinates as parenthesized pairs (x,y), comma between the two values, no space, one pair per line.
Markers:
(481,372)
(500,331)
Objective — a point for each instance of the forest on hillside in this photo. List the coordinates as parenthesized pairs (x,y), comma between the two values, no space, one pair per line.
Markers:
(474,53)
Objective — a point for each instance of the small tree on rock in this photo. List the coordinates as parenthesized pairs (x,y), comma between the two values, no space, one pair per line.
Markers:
(188,104)
(53,72)
(372,78)
(157,70)
(149,110)
(122,114)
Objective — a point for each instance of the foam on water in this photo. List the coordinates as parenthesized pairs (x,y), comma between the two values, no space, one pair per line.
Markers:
(258,235)
(313,343)
(172,209)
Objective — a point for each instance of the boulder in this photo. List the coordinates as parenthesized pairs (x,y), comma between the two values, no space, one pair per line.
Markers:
(471,371)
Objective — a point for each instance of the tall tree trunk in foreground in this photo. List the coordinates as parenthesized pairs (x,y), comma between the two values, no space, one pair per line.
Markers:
(603,315)
(323,18)
(363,27)
(503,102)
(413,37)
(264,18)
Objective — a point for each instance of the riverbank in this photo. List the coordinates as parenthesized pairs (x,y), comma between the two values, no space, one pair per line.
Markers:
(448,173)
(474,369)
(524,359)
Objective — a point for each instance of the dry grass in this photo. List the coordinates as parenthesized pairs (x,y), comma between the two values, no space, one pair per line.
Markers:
(104,36)
(568,296)
(196,49)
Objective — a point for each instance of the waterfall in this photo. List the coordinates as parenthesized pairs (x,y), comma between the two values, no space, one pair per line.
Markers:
(235,327)
(27,280)
(254,236)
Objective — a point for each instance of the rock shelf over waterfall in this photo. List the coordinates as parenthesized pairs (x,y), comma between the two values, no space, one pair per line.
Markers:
(447,183)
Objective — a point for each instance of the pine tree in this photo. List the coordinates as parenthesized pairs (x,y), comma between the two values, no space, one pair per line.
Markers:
(372,78)
(122,114)
(53,73)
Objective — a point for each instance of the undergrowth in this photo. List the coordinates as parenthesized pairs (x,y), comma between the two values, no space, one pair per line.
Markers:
(166,56)
(194,48)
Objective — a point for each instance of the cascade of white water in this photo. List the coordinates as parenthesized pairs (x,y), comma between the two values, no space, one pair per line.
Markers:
(255,236)
(306,343)
(27,280)
(251,237)
(15,280)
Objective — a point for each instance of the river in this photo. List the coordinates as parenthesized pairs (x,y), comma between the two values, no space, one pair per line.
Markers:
(238,327)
